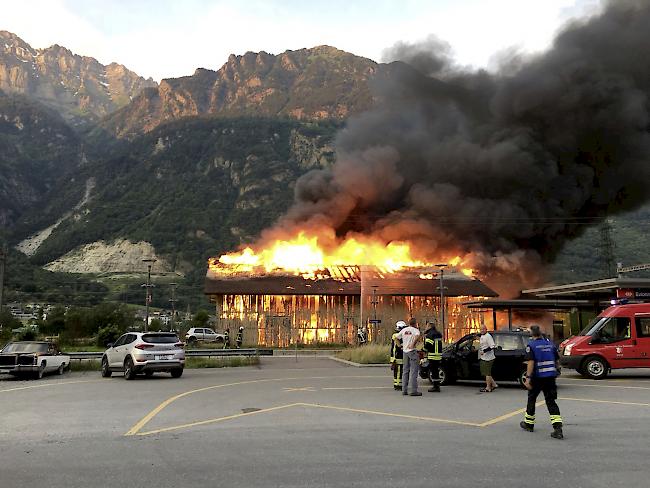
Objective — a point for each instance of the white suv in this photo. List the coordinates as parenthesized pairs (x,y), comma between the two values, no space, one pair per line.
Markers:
(144,352)
(200,334)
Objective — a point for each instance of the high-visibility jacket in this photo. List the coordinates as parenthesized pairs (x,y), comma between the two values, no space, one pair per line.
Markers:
(433,345)
(544,353)
(396,351)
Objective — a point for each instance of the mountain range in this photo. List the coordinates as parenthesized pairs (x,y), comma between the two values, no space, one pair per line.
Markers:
(100,167)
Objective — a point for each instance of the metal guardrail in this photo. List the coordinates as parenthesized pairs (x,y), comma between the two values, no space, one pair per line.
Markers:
(188,353)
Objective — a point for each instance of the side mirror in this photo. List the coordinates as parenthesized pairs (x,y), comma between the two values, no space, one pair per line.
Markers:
(109,345)
(596,340)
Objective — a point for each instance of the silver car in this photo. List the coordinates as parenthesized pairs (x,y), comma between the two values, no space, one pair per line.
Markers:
(144,352)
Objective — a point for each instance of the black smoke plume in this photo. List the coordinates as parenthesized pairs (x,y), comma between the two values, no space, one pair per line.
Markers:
(503,167)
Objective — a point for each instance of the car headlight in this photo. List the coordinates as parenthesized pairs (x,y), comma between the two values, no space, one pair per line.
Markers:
(567,350)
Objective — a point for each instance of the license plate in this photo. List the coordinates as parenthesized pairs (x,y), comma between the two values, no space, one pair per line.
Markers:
(163,357)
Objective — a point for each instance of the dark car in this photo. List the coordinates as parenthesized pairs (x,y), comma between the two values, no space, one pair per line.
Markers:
(460,360)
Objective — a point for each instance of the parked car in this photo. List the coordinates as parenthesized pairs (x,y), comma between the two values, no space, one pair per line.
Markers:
(144,352)
(201,334)
(618,338)
(460,360)
(34,358)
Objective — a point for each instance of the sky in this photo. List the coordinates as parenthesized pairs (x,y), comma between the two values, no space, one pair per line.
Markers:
(171,38)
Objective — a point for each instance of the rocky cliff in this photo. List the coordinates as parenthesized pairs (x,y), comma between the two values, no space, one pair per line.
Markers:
(80,88)
(307,84)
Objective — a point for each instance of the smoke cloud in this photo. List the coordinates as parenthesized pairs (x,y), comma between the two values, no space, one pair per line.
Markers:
(503,167)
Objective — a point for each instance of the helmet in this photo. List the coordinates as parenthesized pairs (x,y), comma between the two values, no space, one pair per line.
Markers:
(399,325)
(241,328)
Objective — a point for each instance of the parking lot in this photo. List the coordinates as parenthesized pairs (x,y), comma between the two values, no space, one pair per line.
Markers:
(315,423)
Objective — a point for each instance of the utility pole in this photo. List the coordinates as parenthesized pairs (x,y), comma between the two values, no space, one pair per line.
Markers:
(442,300)
(148,286)
(3,260)
(173,302)
(607,248)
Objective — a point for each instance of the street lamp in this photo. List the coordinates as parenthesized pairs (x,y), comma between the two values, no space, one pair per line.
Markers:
(442,300)
(148,287)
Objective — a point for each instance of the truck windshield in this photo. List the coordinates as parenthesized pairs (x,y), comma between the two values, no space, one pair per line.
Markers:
(609,329)
(25,347)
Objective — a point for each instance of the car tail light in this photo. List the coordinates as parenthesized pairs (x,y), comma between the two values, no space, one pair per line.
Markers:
(144,346)
(179,344)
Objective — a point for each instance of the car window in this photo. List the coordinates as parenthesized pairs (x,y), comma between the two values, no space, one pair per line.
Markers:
(120,341)
(643,326)
(615,329)
(506,342)
(130,338)
(198,331)
(209,331)
(469,344)
(160,338)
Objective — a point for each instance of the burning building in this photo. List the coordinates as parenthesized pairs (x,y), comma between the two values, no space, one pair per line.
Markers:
(329,305)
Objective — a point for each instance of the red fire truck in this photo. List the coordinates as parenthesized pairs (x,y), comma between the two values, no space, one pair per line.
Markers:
(618,338)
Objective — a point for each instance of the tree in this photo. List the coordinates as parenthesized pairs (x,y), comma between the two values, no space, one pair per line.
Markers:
(55,322)
(201,319)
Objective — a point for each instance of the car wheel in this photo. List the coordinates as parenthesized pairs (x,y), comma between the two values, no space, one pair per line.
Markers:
(522,377)
(106,371)
(61,369)
(191,340)
(148,374)
(595,368)
(129,372)
(446,378)
(177,373)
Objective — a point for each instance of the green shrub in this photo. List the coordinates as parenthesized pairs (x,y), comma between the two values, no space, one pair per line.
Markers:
(27,334)
(226,362)
(368,354)
(91,365)
(106,335)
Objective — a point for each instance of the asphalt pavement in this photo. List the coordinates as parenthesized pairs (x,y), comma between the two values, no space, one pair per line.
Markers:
(315,423)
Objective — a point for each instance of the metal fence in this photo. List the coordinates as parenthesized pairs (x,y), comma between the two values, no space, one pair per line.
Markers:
(205,353)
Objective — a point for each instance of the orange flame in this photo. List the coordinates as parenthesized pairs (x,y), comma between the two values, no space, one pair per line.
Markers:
(304,255)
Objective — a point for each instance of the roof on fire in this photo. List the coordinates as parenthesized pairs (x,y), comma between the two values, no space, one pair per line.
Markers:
(406,283)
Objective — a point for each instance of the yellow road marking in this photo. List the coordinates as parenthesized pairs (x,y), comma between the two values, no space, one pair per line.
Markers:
(389,414)
(147,418)
(611,386)
(48,384)
(506,416)
(604,401)
(218,419)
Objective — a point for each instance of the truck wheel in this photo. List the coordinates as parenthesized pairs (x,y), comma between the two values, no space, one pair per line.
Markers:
(129,372)
(177,373)
(595,368)
(106,371)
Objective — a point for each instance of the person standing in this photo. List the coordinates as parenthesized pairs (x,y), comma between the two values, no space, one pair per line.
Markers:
(486,359)
(410,337)
(396,356)
(433,349)
(543,367)
(226,339)
(240,337)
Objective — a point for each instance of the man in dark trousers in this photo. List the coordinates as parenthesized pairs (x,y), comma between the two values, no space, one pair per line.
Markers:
(542,368)
(410,337)
(433,349)
(240,337)
(396,356)
(226,339)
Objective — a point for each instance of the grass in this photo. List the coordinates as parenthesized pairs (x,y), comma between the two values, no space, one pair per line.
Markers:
(190,363)
(368,354)
(225,362)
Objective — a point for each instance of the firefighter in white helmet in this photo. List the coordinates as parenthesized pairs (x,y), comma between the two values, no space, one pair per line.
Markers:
(396,356)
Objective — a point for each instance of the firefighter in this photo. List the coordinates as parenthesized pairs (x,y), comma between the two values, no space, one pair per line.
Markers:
(396,356)
(433,349)
(226,339)
(240,337)
(362,337)
(543,367)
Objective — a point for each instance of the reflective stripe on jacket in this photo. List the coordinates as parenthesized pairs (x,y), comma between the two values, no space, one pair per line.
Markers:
(433,345)
(544,353)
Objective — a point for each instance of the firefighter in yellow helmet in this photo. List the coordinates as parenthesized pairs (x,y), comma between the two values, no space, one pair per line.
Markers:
(396,356)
